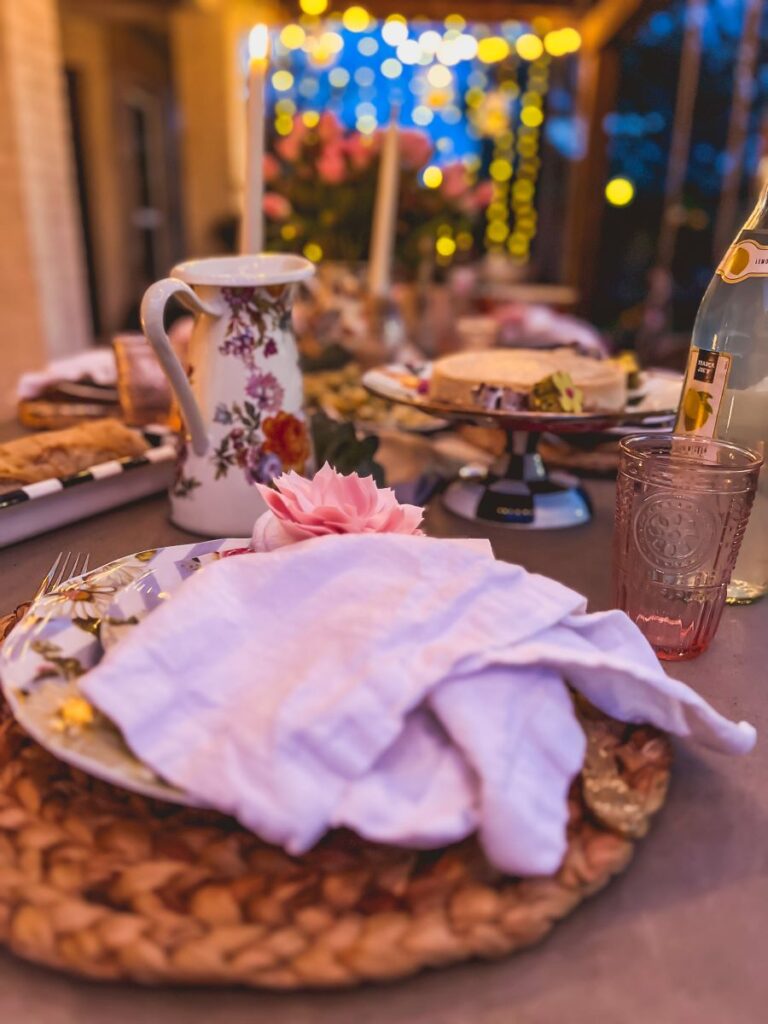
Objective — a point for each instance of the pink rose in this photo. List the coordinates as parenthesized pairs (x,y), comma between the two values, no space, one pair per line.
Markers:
(300,509)
(479,197)
(331,165)
(455,181)
(415,148)
(328,128)
(359,150)
(271,167)
(289,147)
(276,207)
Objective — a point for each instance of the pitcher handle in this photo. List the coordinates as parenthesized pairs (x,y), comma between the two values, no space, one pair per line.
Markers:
(152,314)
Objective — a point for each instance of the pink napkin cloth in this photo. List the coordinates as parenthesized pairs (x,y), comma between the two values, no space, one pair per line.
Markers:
(533,326)
(409,688)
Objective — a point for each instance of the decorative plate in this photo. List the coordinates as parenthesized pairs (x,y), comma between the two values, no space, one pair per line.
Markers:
(66,632)
(657,397)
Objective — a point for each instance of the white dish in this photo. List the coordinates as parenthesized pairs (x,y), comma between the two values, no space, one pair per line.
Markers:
(65,633)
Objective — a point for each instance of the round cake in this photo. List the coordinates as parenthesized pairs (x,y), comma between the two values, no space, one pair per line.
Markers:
(507,379)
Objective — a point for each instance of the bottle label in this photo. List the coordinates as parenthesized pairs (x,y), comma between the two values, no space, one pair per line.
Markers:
(745,258)
(705,382)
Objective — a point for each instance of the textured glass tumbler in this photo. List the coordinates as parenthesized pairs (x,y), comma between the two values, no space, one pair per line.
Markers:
(682,505)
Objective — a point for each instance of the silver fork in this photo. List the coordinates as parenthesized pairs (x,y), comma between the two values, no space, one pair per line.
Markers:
(66,566)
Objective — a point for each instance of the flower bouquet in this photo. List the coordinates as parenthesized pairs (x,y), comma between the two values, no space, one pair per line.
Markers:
(323,184)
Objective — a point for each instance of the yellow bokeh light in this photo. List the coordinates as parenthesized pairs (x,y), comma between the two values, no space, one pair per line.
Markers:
(529,46)
(500,170)
(562,41)
(366,124)
(473,97)
(356,19)
(394,30)
(285,106)
(492,49)
(455,21)
(619,191)
(531,117)
(430,40)
(439,76)
(292,37)
(391,68)
(311,118)
(332,42)
(313,252)
(318,51)
(497,231)
(338,78)
(288,231)
(464,240)
(284,124)
(571,39)
(445,246)
(554,44)
(522,189)
(282,80)
(313,6)
(432,176)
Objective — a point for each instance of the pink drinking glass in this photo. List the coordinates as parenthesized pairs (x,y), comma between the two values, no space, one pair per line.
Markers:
(682,505)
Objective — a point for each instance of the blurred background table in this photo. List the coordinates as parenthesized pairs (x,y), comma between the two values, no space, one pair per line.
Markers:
(679,938)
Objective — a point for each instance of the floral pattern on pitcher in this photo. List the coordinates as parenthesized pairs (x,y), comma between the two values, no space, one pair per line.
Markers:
(263,440)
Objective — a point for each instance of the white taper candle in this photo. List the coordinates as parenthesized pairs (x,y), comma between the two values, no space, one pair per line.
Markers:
(252,233)
(385,214)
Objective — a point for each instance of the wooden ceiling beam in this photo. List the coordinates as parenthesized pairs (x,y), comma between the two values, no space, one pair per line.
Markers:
(473,10)
(605,20)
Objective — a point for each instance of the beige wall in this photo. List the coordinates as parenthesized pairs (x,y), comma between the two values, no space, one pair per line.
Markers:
(42,287)
(86,49)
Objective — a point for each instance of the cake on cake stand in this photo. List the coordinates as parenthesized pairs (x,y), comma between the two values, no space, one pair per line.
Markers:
(519,491)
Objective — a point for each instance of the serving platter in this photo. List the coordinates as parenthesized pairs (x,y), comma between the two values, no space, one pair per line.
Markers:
(50,504)
(67,632)
(655,399)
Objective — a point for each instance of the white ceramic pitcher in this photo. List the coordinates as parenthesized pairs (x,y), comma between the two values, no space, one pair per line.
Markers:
(242,400)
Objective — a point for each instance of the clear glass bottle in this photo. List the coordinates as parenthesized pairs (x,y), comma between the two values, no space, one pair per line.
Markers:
(726,387)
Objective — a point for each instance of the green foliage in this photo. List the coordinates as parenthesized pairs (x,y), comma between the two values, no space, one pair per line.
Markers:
(338,444)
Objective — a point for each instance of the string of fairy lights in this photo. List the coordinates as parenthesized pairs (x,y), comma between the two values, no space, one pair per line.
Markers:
(478,91)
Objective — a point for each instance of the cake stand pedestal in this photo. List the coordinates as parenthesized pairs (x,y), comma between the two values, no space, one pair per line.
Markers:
(518,491)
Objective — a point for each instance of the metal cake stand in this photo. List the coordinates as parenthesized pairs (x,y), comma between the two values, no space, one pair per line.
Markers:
(518,491)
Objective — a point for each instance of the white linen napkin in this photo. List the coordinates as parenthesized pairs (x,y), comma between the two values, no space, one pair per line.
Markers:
(409,688)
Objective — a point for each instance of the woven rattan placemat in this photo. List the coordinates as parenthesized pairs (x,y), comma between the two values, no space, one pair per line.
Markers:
(106,884)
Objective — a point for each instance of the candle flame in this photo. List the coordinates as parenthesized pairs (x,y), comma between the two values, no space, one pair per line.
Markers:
(258,42)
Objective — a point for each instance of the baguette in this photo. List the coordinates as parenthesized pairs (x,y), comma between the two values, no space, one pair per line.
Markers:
(61,453)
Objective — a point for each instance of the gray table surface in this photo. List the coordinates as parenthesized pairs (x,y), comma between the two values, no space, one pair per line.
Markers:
(682,937)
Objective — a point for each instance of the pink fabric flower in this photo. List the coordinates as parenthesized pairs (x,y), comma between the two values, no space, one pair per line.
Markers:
(330,503)
(415,148)
(331,166)
(271,167)
(276,207)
